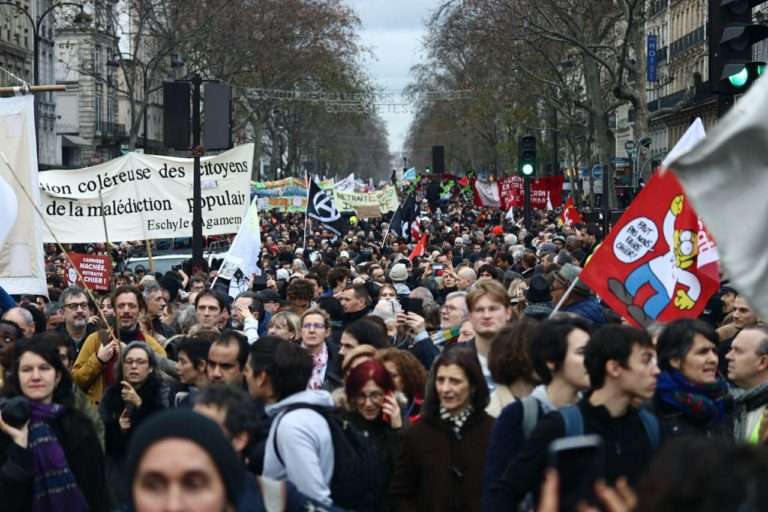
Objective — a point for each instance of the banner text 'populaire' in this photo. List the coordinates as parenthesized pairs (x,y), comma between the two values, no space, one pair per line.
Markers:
(146,197)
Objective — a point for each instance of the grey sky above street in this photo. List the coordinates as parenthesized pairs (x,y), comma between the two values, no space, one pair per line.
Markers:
(392,30)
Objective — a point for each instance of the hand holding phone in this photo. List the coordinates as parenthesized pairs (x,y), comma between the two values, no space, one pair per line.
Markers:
(390,411)
(580,464)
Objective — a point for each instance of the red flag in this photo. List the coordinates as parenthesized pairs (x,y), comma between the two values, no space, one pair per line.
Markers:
(658,263)
(420,248)
(570,215)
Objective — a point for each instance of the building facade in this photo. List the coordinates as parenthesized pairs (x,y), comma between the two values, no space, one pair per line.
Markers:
(20,27)
(88,123)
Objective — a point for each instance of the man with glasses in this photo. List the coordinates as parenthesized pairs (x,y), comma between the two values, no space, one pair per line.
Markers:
(76,327)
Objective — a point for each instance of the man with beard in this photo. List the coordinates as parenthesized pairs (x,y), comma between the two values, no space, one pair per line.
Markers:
(95,367)
(76,327)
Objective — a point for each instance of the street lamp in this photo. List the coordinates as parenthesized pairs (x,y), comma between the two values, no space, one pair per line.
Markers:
(37,23)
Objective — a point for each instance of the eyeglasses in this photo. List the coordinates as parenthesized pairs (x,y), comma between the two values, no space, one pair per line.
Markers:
(74,306)
(136,362)
(375,397)
(310,325)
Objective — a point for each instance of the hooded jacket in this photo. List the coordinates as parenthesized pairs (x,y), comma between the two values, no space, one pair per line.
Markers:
(305,445)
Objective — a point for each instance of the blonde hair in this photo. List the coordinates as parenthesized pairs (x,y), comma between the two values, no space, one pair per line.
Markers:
(292,321)
(317,311)
(489,287)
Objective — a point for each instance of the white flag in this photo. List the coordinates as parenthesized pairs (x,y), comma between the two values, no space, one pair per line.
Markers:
(22,262)
(244,252)
(725,178)
(510,216)
(9,206)
(347,184)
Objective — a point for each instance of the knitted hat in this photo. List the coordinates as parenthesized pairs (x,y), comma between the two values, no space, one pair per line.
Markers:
(399,273)
(183,423)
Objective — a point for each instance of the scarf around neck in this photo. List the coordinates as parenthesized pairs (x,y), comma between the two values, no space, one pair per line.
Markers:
(456,421)
(54,486)
(702,403)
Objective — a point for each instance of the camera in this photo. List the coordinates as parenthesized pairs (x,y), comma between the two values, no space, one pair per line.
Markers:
(15,411)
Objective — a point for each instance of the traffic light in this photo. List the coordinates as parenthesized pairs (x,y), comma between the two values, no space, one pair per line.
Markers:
(731,36)
(526,155)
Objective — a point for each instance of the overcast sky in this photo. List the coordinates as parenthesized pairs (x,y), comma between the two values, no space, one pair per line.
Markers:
(393,30)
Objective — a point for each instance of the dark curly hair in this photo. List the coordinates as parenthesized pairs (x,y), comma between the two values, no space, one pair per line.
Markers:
(412,372)
(509,358)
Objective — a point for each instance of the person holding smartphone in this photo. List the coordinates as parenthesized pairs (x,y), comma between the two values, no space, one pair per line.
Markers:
(374,407)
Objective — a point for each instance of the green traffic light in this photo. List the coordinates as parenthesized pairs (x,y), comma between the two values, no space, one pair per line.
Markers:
(760,69)
(741,78)
(527,169)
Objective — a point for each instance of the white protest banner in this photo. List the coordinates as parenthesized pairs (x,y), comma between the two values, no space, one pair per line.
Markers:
(21,255)
(146,197)
(385,199)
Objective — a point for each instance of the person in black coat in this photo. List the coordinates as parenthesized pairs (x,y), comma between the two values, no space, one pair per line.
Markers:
(139,393)
(31,453)
(373,408)
(691,397)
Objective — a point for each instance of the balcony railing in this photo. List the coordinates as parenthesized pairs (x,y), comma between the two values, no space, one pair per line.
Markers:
(112,130)
(689,40)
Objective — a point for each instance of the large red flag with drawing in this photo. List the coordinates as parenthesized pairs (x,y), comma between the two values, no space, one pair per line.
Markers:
(658,263)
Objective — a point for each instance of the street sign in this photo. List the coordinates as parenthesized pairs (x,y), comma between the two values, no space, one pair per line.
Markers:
(630,146)
(597,171)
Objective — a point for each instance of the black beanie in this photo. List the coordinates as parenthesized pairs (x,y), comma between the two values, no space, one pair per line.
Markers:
(184,423)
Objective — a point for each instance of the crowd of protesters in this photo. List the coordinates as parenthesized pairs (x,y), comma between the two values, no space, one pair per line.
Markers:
(352,376)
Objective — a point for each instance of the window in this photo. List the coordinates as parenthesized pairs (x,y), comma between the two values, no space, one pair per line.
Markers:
(97,111)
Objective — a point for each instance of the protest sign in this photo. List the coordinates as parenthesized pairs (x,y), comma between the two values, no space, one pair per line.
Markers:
(146,197)
(512,191)
(385,200)
(96,271)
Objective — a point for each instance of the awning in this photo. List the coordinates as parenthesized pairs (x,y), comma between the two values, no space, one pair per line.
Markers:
(73,141)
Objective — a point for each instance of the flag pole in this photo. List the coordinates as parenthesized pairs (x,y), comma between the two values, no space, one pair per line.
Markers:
(59,244)
(306,216)
(564,297)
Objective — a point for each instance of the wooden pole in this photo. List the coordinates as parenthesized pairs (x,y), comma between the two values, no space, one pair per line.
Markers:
(22,90)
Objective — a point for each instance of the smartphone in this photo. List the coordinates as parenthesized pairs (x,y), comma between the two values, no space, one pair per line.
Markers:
(412,305)
(437,266)
(580,462)
(384,416)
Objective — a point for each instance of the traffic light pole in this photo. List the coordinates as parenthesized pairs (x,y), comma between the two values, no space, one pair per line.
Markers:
(197,150)
(527,220)
(606,203)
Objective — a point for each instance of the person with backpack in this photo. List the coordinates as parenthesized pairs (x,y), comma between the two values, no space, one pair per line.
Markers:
(310,444)
(621,363)
(299,447)
(440,467)
(557,356)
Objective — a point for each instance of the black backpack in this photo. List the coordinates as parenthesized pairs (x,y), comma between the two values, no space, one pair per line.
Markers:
(356,469)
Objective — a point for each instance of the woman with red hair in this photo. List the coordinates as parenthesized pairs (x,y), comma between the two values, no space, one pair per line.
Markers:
(373,407)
